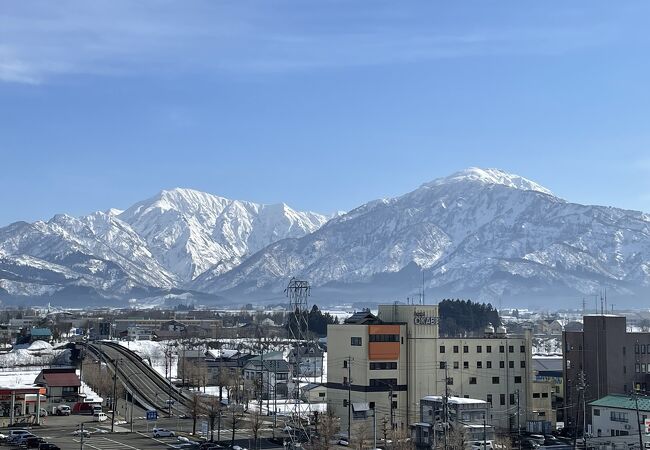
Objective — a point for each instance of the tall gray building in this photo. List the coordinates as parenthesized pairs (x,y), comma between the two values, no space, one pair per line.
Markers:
(606,359)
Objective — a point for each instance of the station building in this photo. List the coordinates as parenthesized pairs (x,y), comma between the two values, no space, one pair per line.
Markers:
(386,364)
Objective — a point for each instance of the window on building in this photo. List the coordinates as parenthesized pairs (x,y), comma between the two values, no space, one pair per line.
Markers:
(455,349)
(321,394)
(636,348)
(488,349)
(450,381)
(489,399)
(623,350)
(502,349)
(383,338)
(355,341)
(522,364)
(512,399)
(479,349)
(389,365)
(502,399)
(637,368)
(643,368)
(495,380)
(522,349)
(642,349)
(511,349)
(456,365)
(624,369)
(511,364)
(544,394)
(465,364)
(502,364)
(345,363)
(383,382)
(371,405)
(488,364)
(472,380)
(617,416)
(345,402)
(517,380)
(535,394)
(442,349)
(394,404)
(465,348)
(596,412)
(443,364)
(345,381)
(479,364)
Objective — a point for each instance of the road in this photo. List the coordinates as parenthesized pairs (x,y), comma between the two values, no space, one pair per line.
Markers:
(149,388)
(59,430)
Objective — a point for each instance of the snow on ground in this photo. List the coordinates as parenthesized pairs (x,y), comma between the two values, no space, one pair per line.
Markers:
(23,376)
(154,351)
(39,353)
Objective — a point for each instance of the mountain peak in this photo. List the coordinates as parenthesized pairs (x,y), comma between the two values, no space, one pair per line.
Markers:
(491,176)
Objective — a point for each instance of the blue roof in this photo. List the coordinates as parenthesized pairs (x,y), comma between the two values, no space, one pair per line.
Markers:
(41,332)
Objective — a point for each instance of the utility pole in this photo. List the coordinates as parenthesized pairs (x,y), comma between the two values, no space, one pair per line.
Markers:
(638,420)
(445,406)
(350,400)
(115,363)
(374,426)
(581,392)
(484,431)
(81,441)
(518,425)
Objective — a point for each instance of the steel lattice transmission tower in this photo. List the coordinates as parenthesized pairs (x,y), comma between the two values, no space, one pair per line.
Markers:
(298,291)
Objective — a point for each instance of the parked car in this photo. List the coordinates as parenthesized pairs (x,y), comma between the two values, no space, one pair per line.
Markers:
(100,417)
(15,434)
(62,410)
(480,445)
(22,439)
(163,432)
(48,446)
(34,442)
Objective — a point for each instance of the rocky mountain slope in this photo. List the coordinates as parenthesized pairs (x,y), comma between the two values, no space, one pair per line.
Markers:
(156,245)
(484,233)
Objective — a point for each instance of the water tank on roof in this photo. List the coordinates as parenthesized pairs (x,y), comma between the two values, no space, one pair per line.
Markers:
(501,330)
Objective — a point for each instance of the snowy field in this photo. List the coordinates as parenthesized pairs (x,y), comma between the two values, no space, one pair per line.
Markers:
(39,353)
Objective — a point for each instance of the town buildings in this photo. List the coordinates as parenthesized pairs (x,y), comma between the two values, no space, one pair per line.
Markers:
(391,361)
(602,359)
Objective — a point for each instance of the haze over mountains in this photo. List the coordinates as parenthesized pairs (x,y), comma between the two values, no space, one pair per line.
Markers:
(480,233)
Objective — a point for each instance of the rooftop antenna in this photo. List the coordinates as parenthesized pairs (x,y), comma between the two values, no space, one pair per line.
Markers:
(422,296)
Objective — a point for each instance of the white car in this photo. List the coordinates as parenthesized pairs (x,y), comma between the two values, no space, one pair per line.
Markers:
(163,432)
(343,442)
(85,433)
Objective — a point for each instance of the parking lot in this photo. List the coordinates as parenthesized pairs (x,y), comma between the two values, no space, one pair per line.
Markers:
(59,430)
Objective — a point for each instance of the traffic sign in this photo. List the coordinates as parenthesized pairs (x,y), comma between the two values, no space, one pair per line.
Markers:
(152,415)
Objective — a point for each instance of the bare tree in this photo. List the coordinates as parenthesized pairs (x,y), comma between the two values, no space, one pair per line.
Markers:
(195,409)
(213,410)
(256,423)
(235,417)
(328,426)
(361,435)
(503,442)
(457,438)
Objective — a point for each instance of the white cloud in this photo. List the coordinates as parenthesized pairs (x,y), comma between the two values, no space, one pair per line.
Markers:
(39,40)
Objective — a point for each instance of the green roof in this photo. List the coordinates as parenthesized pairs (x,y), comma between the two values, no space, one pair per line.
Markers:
(622,402)
(41,332)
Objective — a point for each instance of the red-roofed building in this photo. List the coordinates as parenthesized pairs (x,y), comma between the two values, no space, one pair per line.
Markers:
(62,384)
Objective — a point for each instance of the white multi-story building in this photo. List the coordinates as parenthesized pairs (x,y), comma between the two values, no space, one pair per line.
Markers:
(388,363)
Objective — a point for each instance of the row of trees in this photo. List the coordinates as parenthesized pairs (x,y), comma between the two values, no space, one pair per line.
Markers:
(316,321)
(465,317)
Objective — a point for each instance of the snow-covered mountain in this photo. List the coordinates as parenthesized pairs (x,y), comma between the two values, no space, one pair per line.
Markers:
(189,231)
(480,232)
(160,244)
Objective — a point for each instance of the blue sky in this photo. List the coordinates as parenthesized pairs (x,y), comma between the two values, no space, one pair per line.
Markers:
(323,105)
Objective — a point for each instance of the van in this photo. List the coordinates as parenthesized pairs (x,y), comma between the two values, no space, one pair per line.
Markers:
(12,435)
(62,410)
(100,417)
